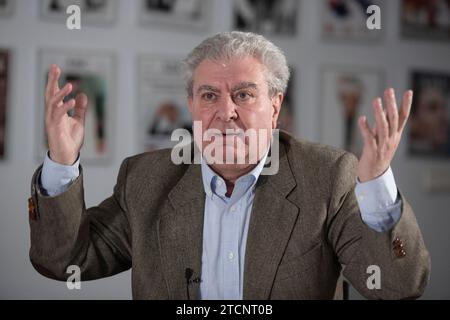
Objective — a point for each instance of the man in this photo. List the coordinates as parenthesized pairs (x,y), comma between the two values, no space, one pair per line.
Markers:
(223,230)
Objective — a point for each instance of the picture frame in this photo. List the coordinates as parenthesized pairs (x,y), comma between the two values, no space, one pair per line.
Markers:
(425,20)
(347,92)
(346,20)
(183,15)
(429,120)
(93,12)
(92,73)
(268,17)
(162,101)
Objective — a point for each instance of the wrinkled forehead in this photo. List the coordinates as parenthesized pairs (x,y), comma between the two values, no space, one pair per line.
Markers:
(230,72)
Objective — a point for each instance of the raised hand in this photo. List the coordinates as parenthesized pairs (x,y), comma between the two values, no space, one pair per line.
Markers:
(381,141)
(65,134)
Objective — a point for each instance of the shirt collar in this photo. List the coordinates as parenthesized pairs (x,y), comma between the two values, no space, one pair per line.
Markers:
(210,178)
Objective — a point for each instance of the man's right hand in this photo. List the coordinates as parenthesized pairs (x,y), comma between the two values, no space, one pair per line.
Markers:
(65,134)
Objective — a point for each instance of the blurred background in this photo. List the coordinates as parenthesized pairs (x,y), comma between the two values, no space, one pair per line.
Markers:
(126,57)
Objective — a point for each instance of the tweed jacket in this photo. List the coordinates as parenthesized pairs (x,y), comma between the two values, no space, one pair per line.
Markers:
(305,227)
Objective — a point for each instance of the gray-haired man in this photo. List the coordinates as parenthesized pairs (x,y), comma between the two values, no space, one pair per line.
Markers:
(223,230)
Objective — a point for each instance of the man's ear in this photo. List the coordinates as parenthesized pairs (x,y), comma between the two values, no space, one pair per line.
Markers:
(190,104)
(277,101)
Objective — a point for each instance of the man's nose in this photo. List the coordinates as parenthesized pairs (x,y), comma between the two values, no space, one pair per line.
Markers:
(227,110)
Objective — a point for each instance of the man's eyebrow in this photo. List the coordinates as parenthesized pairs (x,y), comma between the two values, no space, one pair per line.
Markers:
(206,87)
(244,85)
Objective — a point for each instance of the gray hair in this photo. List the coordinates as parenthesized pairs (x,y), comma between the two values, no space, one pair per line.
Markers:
(227,45)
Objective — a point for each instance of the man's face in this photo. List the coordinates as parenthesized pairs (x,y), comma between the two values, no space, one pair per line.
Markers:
(234,94)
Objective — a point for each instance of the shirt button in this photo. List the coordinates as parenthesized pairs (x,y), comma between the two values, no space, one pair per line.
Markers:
(233,208)
(230,255)
(219,182)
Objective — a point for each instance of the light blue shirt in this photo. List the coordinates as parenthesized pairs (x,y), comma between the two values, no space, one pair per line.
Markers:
(226,220)
(225,229)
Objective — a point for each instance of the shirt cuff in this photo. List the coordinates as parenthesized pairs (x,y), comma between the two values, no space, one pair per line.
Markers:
(56,178)
(377,199)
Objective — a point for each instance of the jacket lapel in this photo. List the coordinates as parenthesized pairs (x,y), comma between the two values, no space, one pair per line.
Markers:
(272,220)
(180,230)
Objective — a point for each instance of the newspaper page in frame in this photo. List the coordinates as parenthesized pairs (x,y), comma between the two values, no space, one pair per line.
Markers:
(425,19)
(180,14)
(346,94)
(162,100)
(268,17)
(429,121)
(346,20)
(92,74)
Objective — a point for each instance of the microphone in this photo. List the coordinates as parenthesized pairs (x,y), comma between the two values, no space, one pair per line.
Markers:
(188,273)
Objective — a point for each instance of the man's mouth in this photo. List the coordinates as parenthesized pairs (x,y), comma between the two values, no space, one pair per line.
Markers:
(233,132)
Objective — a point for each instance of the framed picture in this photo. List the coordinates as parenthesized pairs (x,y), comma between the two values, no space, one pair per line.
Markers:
(92,74)
(286,119)
(269,17)
(429,122)
(6,8)
(347,93)
(162,100)
(180,14)
(425,19)
(93,12)
(347,20)
(4,74)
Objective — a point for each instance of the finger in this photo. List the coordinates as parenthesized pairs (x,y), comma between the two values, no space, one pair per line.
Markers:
(52,81)
(62,110)
(368,135)
(80,107)
(392,112)
(380,121)
(60,95)
(405,109)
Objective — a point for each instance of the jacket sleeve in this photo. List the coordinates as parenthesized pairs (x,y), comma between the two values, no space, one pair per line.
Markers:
(64,232)
(400,253)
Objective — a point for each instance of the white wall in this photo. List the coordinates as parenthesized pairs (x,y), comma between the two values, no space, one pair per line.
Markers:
(24,34)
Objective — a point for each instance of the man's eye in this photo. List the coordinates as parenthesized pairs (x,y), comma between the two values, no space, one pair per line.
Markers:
(243,96)
(208,96)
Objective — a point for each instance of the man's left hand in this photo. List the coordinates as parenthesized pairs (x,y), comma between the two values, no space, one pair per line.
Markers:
(381,141)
